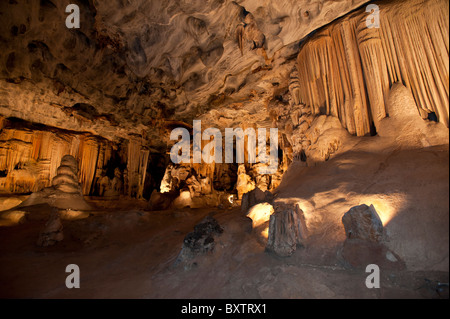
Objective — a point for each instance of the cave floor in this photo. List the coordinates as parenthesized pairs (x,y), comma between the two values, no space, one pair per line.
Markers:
(126,251)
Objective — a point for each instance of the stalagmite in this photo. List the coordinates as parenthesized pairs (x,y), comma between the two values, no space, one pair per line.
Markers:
(31,158)
(136,168)
(287,229)
(65,192)
(244,182)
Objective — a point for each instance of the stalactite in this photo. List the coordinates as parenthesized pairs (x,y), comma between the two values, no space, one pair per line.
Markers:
(375,70)
(142,172)
(133,163)
(30,157)
(346,69)
(16,146)
(294,85)
(88,156)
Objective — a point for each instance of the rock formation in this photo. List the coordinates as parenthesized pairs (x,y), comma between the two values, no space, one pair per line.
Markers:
(52,231)
(365,239)
(65,192)
(200,241)
(276,76)
(352,95)
(248,32)
(362,222)
(260,215)
(254,197)
(161,201)
(244,183)
(66,176)
(346,69)
(287,230)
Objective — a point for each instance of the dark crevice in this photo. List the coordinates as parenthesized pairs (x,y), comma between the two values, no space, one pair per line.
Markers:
(433,117)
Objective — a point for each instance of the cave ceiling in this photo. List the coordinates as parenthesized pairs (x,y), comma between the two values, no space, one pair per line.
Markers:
(140,68)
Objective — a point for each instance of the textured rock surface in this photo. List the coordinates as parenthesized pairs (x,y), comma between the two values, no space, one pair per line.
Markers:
(365,241)
(65,192)
(287,229)
(405,125)
(52,232)
(260,216)
(136,70)
(346,69)
(362,222)
(254,197)
(30,156)
(200,241)
(136,66)
(244,183)
(66,176)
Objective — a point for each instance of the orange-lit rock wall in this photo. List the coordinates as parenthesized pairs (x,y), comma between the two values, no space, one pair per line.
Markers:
(29,158)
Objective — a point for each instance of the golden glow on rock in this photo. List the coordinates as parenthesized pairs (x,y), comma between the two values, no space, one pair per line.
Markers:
(265,233)
(73,214)
(387,206)
(12,218)
(260,214)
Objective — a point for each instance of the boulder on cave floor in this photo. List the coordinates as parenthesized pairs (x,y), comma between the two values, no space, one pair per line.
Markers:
(260,216)
(362,222)
(287,230)
(200,241)
(364,244)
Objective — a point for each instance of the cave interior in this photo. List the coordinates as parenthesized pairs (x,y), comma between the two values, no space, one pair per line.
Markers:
(224,149)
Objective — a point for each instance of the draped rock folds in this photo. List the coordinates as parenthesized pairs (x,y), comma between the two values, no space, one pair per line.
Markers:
(346,68)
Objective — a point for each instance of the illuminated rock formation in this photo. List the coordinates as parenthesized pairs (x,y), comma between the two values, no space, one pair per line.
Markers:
(260,215)
(365,238)
(66,176)
(244,183)
(287,229)
(346,69)
(30,156)
(65,192)
(363,222)
(254,197)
